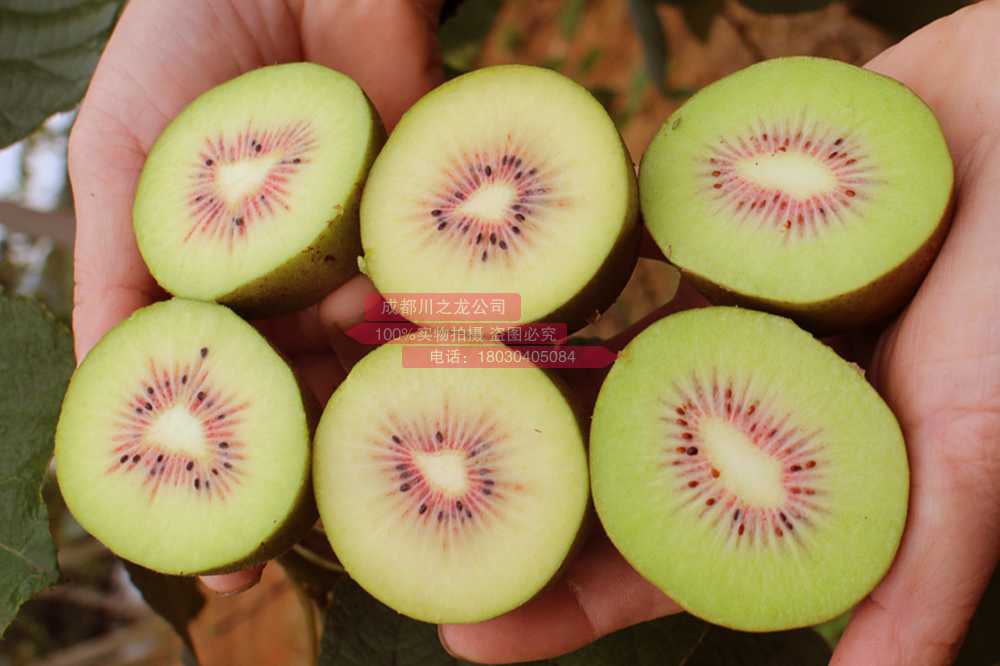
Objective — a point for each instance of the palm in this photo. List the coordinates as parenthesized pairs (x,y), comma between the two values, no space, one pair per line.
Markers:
(157,61)
(938,366)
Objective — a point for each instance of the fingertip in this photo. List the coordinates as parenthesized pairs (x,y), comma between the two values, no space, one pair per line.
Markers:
(234,583)
(599,594)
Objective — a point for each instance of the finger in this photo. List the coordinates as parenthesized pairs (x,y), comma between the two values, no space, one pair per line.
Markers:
(918,615)
(950,80)
(388,46)
(321,373)
(157,60)
(340,311)
(236,582)
(599,593)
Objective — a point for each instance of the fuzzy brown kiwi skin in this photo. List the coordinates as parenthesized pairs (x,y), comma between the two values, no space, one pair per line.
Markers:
(614,273)
(870,304)
(329,261)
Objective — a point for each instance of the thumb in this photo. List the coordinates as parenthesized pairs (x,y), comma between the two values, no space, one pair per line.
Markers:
(388,46)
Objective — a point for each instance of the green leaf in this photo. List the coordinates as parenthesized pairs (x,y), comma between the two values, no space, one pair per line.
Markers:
(901,19)
(361,631)
(653,38)
(462,35)
(48,51)
(36,361)
(570,13)
(785,6)
(699,16)
(177,600)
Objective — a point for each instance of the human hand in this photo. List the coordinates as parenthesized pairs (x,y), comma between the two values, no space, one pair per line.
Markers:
(157,61)
(938,367)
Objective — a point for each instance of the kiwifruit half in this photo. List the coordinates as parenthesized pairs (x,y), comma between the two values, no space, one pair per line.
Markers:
(748,471)
(451,495)
(183,443)
(508,179)
(803,186)
(249,197)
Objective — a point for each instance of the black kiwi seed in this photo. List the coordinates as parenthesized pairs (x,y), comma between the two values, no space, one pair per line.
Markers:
(138,410)
(190,465)
(516,206)
(479,238)
(483,257)
(487,491)
(223,445)
(220,417)
(123,459)
(184,379)
(516,230)
(258,147)
(401,466)
(533,171)
(493,239)
(197,483)
(215,471)
(403,488)
(489,482)
(209,162)
(442,226)
(468,513)
(458,505)
(439,437)
(519,217)
(136,458)
(436,212)
(422,509)
(149,406)
(204,352)
(296,160)
(517,176)
(440,516)
(517,162)
(489,171)
(149,390)
(503,245)
(201,395)
(227,465)
(397,439)
(159,458)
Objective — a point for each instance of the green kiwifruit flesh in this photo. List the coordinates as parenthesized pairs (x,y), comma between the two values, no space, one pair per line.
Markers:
(509,179)
(803,186)
(451,495)
(183,443)
(250,196)
(746,470)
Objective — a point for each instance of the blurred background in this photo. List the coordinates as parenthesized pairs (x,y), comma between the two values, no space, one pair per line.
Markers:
(640,58)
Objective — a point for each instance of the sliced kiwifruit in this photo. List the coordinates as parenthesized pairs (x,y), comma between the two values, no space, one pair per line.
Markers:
(803,186)
(249,197)
(451,495)
(183,443)
(507,179)
(748,471)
